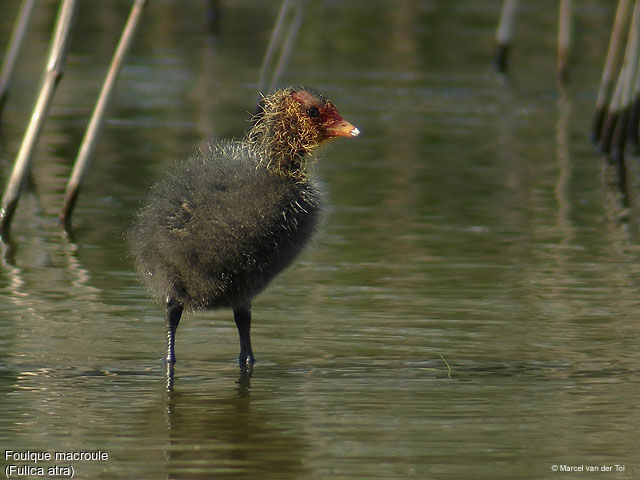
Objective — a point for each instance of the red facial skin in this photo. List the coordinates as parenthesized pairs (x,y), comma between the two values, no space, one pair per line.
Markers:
(325,115)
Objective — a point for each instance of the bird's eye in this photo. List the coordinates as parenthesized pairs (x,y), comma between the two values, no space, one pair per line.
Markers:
(313,112)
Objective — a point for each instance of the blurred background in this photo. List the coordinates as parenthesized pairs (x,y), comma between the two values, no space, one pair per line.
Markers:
(469,310)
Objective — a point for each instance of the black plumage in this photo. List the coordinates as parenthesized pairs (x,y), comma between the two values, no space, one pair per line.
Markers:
(215,237)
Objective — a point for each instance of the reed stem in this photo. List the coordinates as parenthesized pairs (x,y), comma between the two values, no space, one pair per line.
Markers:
(15,42)
(97,117)
(53,72)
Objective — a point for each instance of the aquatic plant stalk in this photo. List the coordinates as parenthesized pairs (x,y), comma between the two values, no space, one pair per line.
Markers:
(611,116)
(283,44)
(564,39)
(95,123)
(633,123)
(275,36)
(285,53)
(15,42)
(504,34)
(611,62)
(53,73)
(629,79)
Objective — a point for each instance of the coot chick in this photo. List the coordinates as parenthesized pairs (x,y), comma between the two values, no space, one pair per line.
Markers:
(221,225)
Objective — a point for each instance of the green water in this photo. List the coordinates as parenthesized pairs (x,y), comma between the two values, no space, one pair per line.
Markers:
(469,310)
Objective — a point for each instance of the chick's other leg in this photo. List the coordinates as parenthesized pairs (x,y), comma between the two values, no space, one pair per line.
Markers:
(242,316)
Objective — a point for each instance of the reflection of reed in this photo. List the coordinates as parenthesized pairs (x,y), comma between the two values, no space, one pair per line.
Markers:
(17,291)
(561,190)
(17,295)
(564,169)
(80,275)
(23,295)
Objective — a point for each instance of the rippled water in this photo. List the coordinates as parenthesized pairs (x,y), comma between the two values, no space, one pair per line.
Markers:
(470,309)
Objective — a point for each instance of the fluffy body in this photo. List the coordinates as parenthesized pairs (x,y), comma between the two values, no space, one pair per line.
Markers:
(224,223)
(221,226)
